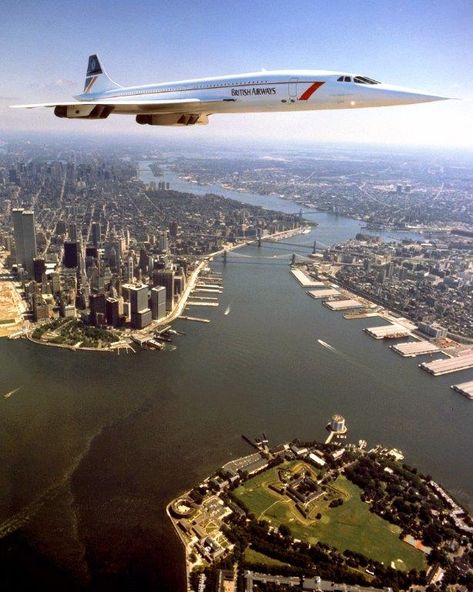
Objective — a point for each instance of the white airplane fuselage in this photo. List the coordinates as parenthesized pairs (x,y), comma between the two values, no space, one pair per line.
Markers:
(187,102)
(284,90)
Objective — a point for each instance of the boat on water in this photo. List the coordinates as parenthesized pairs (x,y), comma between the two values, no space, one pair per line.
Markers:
(10,393)
(227,310)
(326,345)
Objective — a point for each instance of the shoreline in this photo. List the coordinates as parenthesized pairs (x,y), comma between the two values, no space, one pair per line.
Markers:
(188,515)
(188,179)
(178,309)
(355,305)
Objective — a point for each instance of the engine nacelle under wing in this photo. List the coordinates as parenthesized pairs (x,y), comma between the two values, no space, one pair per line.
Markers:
(83,111)
(173,119)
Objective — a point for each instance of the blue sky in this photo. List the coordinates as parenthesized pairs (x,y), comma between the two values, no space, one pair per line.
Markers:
(420,44)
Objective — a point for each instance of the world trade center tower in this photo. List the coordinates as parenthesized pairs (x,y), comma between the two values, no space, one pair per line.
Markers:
(25,238)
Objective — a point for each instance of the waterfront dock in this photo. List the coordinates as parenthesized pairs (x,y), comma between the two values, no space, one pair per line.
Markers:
(196,319)
(454,364)
(215,287)
(206,298)
(362,314)
(388,332)
(343,304)
(319,294)
(207,290)
(465,389)
(412,349)
(304,280)
(200,303)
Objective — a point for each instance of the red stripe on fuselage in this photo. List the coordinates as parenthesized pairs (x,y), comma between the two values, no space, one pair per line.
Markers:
(310,91)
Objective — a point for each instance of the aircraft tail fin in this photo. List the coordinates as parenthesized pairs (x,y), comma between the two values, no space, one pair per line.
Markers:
(96,79)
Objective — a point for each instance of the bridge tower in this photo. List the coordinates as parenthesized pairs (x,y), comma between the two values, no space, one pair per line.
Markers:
(314,248)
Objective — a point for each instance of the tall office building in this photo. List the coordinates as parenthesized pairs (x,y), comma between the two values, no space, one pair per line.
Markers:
(129,271)
(97,303)
(140,313)
(158,302)
(163,242)
(71,254)
(17,215)
(72,231)
(96,234)
(29,240)
(165,277)
(112,307)
(39,268)
(25,238)
(173,228)
(179,283)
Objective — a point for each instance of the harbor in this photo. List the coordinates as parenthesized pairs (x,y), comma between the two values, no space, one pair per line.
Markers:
(453,364)
(339,299)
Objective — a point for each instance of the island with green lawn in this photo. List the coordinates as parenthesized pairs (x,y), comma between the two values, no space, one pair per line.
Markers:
(314,516)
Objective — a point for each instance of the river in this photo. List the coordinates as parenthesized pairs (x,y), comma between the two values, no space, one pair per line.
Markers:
(93,446)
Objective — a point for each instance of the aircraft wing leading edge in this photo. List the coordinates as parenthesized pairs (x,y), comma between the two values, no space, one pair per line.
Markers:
(140,105)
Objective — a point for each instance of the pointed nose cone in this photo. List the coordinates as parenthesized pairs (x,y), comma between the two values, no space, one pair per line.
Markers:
(401,96)
(414,97)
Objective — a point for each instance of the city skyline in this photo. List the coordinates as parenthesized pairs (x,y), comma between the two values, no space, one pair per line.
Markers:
(424,46)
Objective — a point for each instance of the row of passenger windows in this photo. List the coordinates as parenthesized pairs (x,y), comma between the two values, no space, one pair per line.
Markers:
(205,86)
(358,80)
(160,90)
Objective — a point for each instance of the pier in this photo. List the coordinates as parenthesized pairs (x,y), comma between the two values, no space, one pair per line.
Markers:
(343,304)
(465,389)
(207,290)
(200,285)
(388,332)
(362,314)
(197,319)
(319,294)
(336,427)
(412,349)
(441,366)
(206,298)
(200,303)
(304,280)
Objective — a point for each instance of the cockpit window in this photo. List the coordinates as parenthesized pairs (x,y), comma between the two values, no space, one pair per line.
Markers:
(365,80)
(344,79)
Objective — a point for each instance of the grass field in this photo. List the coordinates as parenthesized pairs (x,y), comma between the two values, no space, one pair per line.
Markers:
(349,526)
(252,556)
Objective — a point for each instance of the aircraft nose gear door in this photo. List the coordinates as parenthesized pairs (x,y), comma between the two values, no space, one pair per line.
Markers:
(292,90)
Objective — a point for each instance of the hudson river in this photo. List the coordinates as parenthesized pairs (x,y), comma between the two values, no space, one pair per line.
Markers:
(94,445)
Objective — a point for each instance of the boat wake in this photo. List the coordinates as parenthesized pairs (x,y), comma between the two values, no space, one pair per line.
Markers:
(10,393)
(326,345)
(227,310)
(350,359)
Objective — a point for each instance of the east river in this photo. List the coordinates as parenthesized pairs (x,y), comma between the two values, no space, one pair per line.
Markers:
(94,445)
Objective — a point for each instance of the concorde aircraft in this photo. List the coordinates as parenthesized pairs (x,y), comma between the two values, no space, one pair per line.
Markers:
(189,102)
